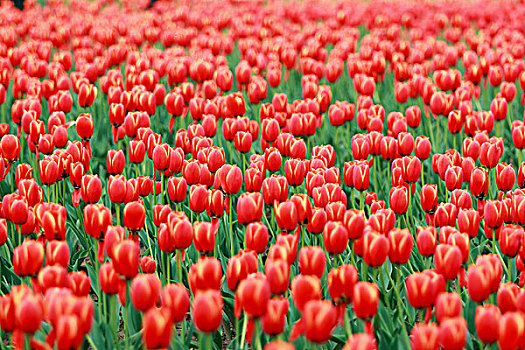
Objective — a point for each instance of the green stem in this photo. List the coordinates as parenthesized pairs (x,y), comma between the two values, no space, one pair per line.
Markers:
(126,319)
(243,334)
(118,213)
(168,268)
(179,265)
(113,318)
(206,341)
(401,305)
(257,335)
(230,216)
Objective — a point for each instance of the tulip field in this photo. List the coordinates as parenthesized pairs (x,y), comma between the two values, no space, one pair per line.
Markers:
(324,174)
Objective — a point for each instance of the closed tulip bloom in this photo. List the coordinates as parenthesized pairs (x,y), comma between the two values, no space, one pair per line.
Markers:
(91,188)
(505,176)
(274,320)
(253,179)
(411,167)
(252,296)
(10,146)
(422,147)
(507,297)
(360,147)
(243,141)
(205,274)
(137,151)
(312,261)
(424,336)
(376,248)
(448,306)
(198,198)
(176,299)
(478,282)
(177,189)
(468,222)
(317,221)
(134,216)
(57,253)
(492,213)
(256,237)
(295,171)
(487,323)
(249,207)
(341,281)
(479,183)
(426,239)
(157,328)
(521,176)
(15,208)
(145,291)
(115,162)
(493,263)
(491,153)
(420,290)
(401,243)
(126,256)
(207,310)
(286,215)
(398,199)
(511,332)
(28,258)
(510,239)
(361,176)
(319,318)
(460,240)
(117,188)
(108,279)
(29,313)
(354,221)
(278,274)
(448,260)
(272,159)
(229,178)
(204,234)
(335,237)
(148,264)
(96,220)
(305,288)
(275,188)
(161,156)
(453,333)
(454,178)
(445,215)
(48,170)
(365,300)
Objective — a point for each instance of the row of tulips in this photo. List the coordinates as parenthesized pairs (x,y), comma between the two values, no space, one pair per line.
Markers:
(281,176)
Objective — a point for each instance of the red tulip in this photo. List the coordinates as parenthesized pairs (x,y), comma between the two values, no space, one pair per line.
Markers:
(453,333)
(207,310)
(278,275)
(448,260)
(365,300)
(176,299)
(157,328)
(424,336)
(448,306)
(487,323)
(145,291)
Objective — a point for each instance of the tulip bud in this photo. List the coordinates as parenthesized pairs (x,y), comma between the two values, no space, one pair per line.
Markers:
(487,322)
(365,300)
(424,336)
(157,328)
(207,310)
